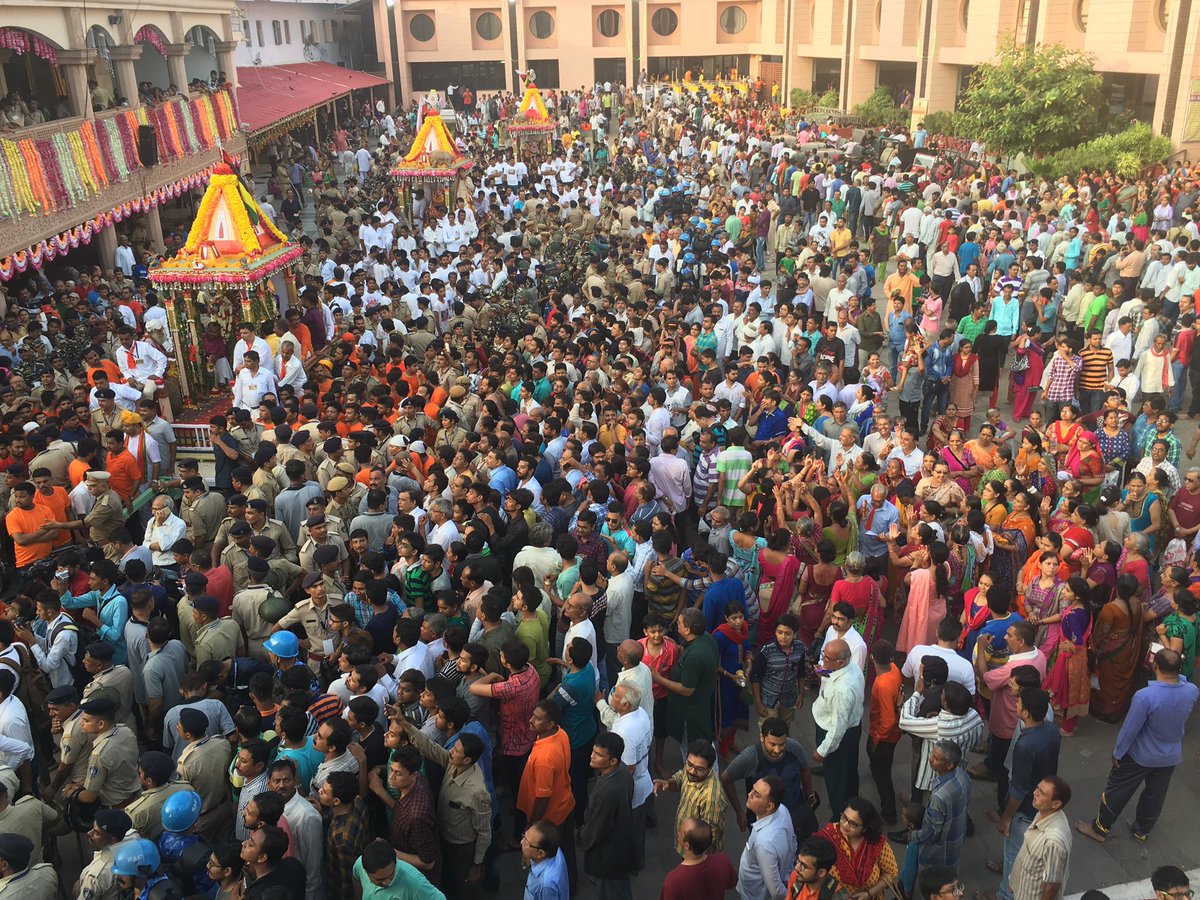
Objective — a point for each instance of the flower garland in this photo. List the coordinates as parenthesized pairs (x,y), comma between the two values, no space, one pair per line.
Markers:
(148,34)
(56,245)
(21,42)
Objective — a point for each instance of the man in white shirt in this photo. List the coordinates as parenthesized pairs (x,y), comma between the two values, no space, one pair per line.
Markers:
(164,530)
(251,341)
(946,648)
(840,629)
(142,364)
(14,725)
(837,713)
(304,821)
(252,383)
(908,452)
(125,260)
(288,370)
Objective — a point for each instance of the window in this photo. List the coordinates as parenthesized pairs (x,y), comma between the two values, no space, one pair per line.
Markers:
(258,31)
(608,23)
(547,72)
(733,20)
(481,76)
(487,26)
(328,23)
(541,25)
(313,36)
(664,21)
(421,27)
(1081,14)
(246,31)
(277,31)
(287,31)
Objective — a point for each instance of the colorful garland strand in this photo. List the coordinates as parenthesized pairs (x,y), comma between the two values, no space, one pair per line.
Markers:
(45,251)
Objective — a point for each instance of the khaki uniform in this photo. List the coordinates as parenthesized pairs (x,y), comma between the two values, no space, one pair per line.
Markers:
(30,817)
(146,810)
(325,471)
(236,559)
(57,461)
(74,749)
(248,438)
(221,540)
(113,766)
(337,529)
(245,612)
(203,517)
(345,511)
(268,484)
(283,574)
(103,423)
(454,437)
(119,684)
(105,518)
(204,764)
(219,640)
(285,545)
(315,623)
(187,626)
(310,547)
(97,881)
(38,882)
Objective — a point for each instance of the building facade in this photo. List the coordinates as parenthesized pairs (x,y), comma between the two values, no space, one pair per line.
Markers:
(105,120)
(1145,49)
(277,32)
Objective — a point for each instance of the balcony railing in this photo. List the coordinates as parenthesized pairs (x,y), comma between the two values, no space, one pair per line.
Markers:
(51,168)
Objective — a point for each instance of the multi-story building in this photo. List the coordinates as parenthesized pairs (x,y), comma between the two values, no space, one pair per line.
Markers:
(1146,49)
(88,145)
(277,32)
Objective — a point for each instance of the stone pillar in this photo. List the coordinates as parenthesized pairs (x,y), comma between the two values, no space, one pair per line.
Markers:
(226,62)
(123,59)
(154,229)
(74,65)
(176,69)
(106,245)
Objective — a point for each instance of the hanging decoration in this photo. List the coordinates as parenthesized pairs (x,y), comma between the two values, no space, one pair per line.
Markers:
(50,174)
(148,34)
(222,273)
(45,251)
(22,42)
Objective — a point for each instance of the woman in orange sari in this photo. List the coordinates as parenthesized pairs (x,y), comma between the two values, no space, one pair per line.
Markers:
(1017,534)
(1117,641)
(866,865)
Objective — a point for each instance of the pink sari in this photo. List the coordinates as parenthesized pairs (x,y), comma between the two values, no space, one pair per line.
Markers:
(1025,384)
(924,610)
(783,578)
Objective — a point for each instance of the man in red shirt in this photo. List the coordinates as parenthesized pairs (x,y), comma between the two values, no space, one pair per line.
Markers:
(1184,509)
(703,875)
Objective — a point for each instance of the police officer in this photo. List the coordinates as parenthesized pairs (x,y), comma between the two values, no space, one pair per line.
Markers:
(28,816)
(204,764)
(194,584)
(107,514)
(137,866)
(235,553)
(114,681)
(248,606)
(283,650)
(285,575)
(112,776)
(97,881)
(203,511)
(154,771)
(74,746)
(217,637)
(313,614)
(19,879)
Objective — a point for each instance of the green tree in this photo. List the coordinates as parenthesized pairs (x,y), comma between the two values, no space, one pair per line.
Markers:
(880,108)
(801,98)
(1034,100)
(1128,153)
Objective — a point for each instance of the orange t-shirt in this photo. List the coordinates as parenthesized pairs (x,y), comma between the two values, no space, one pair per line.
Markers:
(885,702)
(56,504)
(125,473)
(27,521)
(110,369)
(77,471)
(548,774)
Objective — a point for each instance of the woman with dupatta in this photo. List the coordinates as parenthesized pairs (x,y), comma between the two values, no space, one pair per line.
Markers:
(1044,603)
(780,572)
(860,592)
(1067,679)
(1025,373)
(733,646)
(1086,465)
(814,590)
(964,384)
(866,866)
(928,587)
(1063,434)
(1017,534)
(963,468)
(1145,508)
(1117,642)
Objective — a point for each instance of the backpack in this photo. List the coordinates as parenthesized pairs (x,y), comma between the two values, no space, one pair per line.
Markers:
(32,690)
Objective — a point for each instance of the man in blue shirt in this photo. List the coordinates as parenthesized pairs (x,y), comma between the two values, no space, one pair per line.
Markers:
(547,878)
(1149,747)
(939,366)
(772,421)
(876,516)
(384,877)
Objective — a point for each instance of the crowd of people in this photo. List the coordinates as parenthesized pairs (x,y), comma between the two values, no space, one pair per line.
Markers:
(580,484)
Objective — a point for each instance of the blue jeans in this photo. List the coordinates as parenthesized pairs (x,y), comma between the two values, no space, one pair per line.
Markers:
(896,351)
(936,399)
(760,252)
(1181,383)
(1012,846)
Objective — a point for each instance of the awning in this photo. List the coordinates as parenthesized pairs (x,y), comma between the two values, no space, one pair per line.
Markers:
(269,94)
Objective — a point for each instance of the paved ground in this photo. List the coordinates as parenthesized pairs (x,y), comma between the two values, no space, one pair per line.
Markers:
(1084,762)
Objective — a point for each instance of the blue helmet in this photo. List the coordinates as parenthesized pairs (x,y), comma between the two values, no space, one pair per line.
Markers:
(685,238)
(695,220)
(689,258)
(283,644)
(181,810)
(658,172)
(137,858)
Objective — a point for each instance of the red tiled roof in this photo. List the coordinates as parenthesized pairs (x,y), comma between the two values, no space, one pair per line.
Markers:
(267,94)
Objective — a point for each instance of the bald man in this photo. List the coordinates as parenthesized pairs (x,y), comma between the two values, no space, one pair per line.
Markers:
(633,671)
(837,712)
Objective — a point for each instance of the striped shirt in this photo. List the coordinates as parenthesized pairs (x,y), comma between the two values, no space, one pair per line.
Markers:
(964,730)
(1062,373)
(705,475)
(1043,857)
(944,828)
(703,800)
(1096,364)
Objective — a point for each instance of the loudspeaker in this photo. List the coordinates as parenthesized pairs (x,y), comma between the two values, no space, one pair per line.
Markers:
(147,145)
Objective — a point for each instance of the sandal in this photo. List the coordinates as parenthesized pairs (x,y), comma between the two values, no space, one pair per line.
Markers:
(994,866)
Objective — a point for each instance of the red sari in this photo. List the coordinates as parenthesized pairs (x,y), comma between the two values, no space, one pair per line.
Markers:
(860,869)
